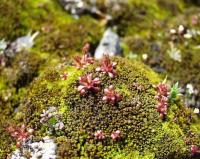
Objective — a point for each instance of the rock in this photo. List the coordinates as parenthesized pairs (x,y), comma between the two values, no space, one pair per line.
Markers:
(79,7)
(36,155)
(44,150)
(74,7)
(22,43)
(48,157)
(25,42)
(110,44)
(34,145)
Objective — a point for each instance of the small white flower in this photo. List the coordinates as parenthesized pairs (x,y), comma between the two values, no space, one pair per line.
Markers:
(51,109)
(174,53)
(3,45)
(196,110)
(187,36)
(47,114)
(190,88)
(173,31)
(30,131)
(181,29)
(144,56)
(59,126)
(44,113)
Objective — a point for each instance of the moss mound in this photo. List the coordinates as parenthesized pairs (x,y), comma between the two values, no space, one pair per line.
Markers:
(59,36)
(91,119)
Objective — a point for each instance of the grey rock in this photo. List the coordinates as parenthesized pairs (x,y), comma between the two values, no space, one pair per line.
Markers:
(80,7)
(109,44)
(43,149)
(22,43)
(74,7)
(25,42)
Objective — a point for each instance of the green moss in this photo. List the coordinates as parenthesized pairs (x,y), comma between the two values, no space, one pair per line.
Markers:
(177,132)
(59,36)
(21,16)
(132,155)
(171,139)
(156,45)
(85,105)
(26,66)
(9,100)
(123,90)
(67,38)
(144,134)
(9,15)
(14,80)
(138,17)
(5,139)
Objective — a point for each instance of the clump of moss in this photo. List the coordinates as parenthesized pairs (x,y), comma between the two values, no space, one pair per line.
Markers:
(14,80)
(26,66)
(66,38)
(137,17)
(4,142)
(21,16)
(92,112)
(9,14)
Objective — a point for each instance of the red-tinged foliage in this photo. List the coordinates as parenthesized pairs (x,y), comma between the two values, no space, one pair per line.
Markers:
(99,135)
(85,60)
(107,66)
(86,48)
(116,135)
(20,134)
(194,149)
(162,96)
(162,89)
(87,83)
(110,95)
